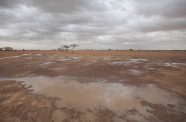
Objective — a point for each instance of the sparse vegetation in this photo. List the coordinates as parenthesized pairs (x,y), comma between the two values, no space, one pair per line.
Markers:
(67,47)
(6,49)
(73,46)
(90,75)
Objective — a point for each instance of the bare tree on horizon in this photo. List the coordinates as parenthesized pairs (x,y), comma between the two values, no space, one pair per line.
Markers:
(73,46)
(66,47)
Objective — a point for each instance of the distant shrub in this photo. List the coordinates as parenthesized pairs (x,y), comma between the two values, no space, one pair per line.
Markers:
(8,48)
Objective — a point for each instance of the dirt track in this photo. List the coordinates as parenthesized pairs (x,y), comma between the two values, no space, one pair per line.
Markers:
(133,69)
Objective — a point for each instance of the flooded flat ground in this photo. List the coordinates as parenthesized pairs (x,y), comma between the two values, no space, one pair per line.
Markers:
(93,86)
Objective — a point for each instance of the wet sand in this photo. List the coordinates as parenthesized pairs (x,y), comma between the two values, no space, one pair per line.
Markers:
(101,87)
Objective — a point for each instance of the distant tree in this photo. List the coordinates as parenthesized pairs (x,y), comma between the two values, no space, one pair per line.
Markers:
(66,47)
(8,48)
(1,49)
(109,49)
(131,49)
(73,46)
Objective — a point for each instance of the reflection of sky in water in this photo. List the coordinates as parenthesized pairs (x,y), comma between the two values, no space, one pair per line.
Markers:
(99,95)
(135,72)
(130,62)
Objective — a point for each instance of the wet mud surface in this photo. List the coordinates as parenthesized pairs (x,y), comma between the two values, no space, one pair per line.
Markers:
(92,86)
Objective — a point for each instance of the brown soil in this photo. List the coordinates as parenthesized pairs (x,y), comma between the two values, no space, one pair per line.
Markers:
(17,104)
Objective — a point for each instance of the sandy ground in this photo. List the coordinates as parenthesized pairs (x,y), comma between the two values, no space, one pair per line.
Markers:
(88,86)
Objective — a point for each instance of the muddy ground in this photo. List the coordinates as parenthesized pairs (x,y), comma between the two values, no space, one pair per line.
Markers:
(92,86)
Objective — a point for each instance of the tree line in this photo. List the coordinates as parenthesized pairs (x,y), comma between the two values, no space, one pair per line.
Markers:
(61,48)
(67,47)
(6,49)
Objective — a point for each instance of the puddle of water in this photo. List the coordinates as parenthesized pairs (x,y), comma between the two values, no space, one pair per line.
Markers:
(172,64)
(15,56)
(71,59)
(135,72)
(10,57)
(46,63)
(149,67)
(84,100)
(65,59)
(27,54)
(138,60)
(130,62)
(38,55)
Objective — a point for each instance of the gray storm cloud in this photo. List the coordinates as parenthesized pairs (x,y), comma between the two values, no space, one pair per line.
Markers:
(95,24)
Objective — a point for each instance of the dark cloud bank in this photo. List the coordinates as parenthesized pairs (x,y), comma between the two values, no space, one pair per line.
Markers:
(93,24)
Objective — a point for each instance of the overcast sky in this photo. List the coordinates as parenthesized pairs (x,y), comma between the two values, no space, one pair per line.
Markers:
(93,24)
